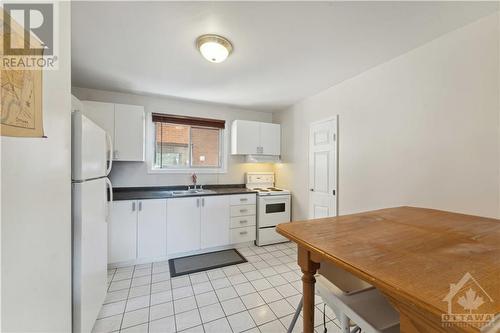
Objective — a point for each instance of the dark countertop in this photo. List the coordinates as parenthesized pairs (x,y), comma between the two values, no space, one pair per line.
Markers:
(165,192)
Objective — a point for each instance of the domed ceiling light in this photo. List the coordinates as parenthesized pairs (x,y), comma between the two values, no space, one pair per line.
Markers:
(214,48)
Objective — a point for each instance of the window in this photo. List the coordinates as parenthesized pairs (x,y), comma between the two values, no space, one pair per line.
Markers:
(187,142)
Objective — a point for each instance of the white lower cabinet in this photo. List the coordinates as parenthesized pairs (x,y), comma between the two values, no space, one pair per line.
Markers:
(137,230)
(215,221)
(183,224)
(151,228)
(122,231)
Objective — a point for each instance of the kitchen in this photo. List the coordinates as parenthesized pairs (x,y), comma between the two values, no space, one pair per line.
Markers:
(180,139)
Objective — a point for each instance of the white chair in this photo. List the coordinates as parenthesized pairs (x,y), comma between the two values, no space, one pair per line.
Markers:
(357,304)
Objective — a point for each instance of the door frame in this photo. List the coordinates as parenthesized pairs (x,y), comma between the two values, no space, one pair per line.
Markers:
(336,164)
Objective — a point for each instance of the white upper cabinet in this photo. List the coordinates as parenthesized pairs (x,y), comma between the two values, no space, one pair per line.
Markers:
(129,132)
(255,138)
(124,123)
(215,221)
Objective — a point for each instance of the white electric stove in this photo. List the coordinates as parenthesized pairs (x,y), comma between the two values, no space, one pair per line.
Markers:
(273,207)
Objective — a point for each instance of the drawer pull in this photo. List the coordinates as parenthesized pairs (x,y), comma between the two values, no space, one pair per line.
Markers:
(243,232)
(243,221)
(244,199)
(243,210)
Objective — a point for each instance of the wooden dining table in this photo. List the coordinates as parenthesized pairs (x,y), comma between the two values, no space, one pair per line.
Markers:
(440,270)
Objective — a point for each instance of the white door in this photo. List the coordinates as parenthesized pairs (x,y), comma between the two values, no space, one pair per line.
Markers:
(122,231)
(323,169)
(183,225)
(89,252)
(246,137)
(152,228)
(214,221)
(103,114)
(129,132)
(89,148)
(270,138)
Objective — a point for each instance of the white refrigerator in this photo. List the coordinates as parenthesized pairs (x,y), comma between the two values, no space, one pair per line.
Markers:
(91,164)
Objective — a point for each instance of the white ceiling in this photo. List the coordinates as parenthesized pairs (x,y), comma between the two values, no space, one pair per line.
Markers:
(283,51)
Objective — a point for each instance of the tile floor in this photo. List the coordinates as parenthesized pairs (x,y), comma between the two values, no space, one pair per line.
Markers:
(258,296)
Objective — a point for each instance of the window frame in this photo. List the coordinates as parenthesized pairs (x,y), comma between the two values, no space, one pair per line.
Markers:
(150,153)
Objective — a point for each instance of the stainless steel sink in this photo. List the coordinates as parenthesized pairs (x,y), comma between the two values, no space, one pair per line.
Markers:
(191,192)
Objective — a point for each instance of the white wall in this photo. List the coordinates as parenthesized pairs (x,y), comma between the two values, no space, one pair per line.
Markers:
(136,173)
(36,211)
(421,129)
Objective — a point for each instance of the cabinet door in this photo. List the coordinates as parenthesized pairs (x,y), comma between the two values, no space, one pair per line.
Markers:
(270,138)
(103,114)
(152,228)
(245,137)
(122,231)
(214,221)
(183,225)
(129,132)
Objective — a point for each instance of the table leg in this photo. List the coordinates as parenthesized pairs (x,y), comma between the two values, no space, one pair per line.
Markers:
(308,268)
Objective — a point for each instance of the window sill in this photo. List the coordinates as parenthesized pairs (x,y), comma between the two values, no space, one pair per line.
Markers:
(187,171)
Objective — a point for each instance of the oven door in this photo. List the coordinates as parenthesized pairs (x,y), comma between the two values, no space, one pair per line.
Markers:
(273,210)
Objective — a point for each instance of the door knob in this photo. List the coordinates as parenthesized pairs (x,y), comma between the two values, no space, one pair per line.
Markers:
(311,189)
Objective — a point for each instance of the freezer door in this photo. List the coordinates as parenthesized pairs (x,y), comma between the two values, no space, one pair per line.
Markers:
(91,148)
(89,252)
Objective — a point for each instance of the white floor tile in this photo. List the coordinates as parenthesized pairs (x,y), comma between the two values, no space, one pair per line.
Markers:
(106,325)
(141,281)
(237,279)
(112,309)
(119,285)
(158,298)
(198,277)
(270,295)
(226,293)
(197,329)
(262,314)
(261,284)
(142,272)
(201,288)
(218,326)
(182,292)
(244,288)
(164,325)
(241,321)
(211,312)
(269,271)
(216,274)
(185,304)
(161,311)
(287,290)
(274,326)
(180,281)
(139,291)
(232,306)
(160,269)
(206,299)
(137,303)
(160,277)
(122,276)
(276,280)
(231,270)
(281,308)
(135,317)
(252,300)
(160,286)
(187,320)
(221,283)
(115,296)
(143,328)
(253,275)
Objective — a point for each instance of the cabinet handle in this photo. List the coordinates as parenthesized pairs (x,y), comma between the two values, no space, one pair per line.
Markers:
(243,210)
(198,202)
(243,232)
(133,206)
(244,199)
(203,202)
(243,221)
(140,205)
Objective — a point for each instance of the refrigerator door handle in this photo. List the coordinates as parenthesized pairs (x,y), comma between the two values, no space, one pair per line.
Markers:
(110,153)
(110,202)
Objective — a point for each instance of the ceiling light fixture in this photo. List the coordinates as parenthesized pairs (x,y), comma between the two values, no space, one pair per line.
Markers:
(214,48)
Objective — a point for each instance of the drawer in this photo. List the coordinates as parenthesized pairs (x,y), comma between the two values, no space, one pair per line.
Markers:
(243,199)
(242,221)
(240,235)
(242,210)
(267,236)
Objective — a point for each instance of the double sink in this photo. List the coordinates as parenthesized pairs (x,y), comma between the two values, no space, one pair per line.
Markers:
(191,192)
